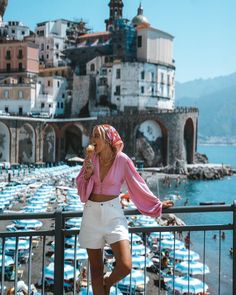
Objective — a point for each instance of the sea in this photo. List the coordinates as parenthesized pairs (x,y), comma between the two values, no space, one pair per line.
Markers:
(217,255)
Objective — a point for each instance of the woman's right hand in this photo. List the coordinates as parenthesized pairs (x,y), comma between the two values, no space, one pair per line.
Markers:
(88,167)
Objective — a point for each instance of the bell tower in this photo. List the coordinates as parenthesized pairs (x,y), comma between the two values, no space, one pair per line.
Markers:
(116,12)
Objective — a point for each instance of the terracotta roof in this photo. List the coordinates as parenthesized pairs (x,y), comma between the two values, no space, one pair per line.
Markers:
(94,35)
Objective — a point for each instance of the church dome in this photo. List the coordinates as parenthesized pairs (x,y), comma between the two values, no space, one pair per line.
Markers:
(140,19)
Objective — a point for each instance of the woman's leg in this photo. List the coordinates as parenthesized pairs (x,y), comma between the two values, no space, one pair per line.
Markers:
(123,265)
(96,266)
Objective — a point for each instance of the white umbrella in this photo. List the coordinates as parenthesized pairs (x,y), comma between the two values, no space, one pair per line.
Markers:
(162,235)
(137,281)
(192,267)
(139,249)
(184,254)
(28,223)
(8,261)
(68,272)
(171,244)
(74,222)
(187,285)
(139,262)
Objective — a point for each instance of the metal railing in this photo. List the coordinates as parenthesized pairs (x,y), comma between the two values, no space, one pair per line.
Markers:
(57,232)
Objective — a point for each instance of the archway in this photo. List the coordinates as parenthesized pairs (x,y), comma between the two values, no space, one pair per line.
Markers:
(189,140)
(150,143)
(26,144)
(4,143)
(73,142)
(49,144)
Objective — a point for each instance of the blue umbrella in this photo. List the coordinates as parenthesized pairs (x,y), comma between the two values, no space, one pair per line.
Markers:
(171,244)
(184,254)
(139,249)
(192,267)
(135,238)
(137,281)
(74,222)
(69,254)
(161,235)
(139,262)
(187,285)
(10,244)
(68,272)
(28,223)
(8,261)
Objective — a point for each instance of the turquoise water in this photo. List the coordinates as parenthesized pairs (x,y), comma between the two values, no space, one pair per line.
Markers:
(217,190)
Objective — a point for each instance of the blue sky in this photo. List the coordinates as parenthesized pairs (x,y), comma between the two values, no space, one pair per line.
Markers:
(204,30)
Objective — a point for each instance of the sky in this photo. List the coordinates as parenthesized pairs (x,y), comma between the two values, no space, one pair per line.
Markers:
(204,30)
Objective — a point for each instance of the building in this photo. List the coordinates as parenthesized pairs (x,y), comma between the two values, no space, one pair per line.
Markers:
(53,37)
(14,30)
(133,68)
(19,68)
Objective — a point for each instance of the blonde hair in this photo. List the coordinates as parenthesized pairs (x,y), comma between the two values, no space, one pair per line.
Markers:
(104,136)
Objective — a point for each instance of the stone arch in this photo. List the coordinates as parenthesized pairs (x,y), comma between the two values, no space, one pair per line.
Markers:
(151,143)
(4,143)
(49,144)
(26,144)
(74,140)
(189,140)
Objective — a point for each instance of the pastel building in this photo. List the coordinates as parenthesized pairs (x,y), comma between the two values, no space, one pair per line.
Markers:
(19,68)
(13,30)
(133,69)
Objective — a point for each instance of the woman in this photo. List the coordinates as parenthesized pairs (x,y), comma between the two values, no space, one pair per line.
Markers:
(99,184)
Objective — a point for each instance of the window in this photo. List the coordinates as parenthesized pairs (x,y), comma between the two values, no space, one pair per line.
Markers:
(58,105)
(20,80)
(162,78)
(49,105)
(140,41)
(23,32)
(117,91)
(152,91)
(58,84)
(49,83)
(57,56)
(13,31)
(103,71)
(142,89)
(8,54)
(92,67)
(20,94)
(8,67)
(42,46)
(20,67)
(118,74)
(20,111)
(62,105)
(20,53)
(42,105)
(47,47)
(57,46)
(63,95)
(142,75)
(6,94)
(6,109)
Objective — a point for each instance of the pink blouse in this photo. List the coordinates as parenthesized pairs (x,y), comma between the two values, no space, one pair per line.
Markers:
(122,170)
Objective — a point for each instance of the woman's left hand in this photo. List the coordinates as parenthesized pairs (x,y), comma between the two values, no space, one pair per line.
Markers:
(167,204)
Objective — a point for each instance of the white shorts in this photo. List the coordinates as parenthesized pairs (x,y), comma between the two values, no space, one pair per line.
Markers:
(102,222)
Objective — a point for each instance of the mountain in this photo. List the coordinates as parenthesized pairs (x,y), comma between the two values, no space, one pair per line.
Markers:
(216,100)
(201,87)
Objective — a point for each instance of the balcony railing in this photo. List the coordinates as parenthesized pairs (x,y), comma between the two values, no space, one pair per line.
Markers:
(55,231)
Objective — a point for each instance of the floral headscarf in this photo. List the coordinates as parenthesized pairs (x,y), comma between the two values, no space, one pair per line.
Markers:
(113,136)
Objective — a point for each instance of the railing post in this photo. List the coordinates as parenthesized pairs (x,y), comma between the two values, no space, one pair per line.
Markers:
(59,254)
(234,248)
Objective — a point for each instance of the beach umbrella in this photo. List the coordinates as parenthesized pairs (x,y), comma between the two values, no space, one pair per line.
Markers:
(171,244)
(28,223)
(71,241)
(187,285)
(162,235)
(139,249)
(68,272)
(192,267)
(74,222)
(135,238)
(8,260)
(34,208)
(69,254)
(75,207)
(113,291)
(146,221)
(139,262)
(10,244)
(184,254)
(137,281)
